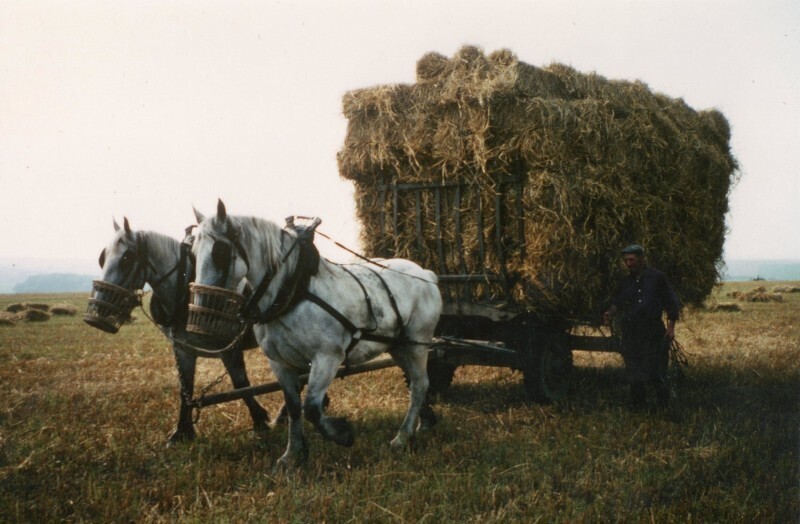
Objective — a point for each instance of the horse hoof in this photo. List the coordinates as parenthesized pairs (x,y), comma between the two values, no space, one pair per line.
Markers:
(282,465)
(427,419)
(179,437)
(261,429)
(398,442)
(340,431)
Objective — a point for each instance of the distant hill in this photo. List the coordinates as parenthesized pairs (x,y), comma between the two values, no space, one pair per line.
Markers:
(55,283)
(762,269)
(16,271)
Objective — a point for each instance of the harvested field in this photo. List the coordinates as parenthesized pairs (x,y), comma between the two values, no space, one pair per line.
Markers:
(86,415)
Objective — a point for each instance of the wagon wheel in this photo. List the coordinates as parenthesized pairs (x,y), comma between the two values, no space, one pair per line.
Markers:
(547,370)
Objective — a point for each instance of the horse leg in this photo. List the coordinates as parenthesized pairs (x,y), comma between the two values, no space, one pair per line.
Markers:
(283,413)
(185,363)
(297,448)
(234,364)
(339,430)
(413,360)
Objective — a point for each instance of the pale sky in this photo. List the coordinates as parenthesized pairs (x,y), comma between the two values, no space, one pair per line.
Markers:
(144,108)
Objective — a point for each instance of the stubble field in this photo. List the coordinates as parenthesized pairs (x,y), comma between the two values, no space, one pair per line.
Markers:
(85,417)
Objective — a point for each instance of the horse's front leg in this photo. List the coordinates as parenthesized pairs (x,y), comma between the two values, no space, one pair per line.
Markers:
(323,371)
(296,448)
(413,360)
(235,366)
(186,364)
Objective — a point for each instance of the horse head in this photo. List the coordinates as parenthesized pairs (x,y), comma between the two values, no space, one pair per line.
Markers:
(222,260)
(124,260)
(124,265)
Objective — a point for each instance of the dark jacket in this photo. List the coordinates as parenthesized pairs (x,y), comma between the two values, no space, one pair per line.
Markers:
(643,298)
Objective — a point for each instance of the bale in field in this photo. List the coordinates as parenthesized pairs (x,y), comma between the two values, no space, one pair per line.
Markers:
(7,319)
(32,315)
(37,306)
(15,308)
(759,295)
(725,306)
(601,164)
(63,310)
(786,289)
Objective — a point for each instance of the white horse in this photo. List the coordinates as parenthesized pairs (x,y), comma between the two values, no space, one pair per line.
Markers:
(132,259)
(312,315)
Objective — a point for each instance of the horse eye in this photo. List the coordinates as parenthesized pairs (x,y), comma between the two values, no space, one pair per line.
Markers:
(221,254)
(126,259)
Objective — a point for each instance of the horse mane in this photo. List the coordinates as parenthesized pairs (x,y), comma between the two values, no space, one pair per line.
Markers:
(258,231)
(160,246)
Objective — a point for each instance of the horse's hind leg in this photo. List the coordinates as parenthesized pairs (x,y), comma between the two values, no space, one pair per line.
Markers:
(186,364)
(339,430)
(413,360)
(234,364)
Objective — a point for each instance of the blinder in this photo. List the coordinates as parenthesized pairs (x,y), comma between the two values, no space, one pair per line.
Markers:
(221,254)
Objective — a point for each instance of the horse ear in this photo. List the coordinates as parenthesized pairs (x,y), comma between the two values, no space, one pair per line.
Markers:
(116,226)
(102,259)
(127,226)
(222,215)
(198,215)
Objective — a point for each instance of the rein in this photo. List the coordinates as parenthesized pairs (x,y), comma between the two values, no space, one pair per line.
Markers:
(180,295)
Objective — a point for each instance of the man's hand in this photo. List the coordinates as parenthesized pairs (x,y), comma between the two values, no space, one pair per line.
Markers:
(670,334)
(608,315)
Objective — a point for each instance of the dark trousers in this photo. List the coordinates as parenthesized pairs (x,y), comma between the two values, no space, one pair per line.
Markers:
(646,355)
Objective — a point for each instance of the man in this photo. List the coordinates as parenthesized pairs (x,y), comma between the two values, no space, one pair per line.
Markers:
(641,298)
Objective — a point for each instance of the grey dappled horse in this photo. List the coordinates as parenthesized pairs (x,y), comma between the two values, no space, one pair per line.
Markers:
(134,258)
(311,315)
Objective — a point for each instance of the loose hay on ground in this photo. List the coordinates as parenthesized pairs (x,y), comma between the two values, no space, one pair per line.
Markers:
(32,315)
(603,163)
(64,310)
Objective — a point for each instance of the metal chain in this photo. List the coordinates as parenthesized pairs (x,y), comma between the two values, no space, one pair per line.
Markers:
(203,394)
(140,295)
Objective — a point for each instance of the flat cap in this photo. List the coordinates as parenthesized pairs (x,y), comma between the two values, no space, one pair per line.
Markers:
(633,249)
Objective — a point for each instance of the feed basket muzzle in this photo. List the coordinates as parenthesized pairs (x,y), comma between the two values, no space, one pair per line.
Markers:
(214,312)
(109,306)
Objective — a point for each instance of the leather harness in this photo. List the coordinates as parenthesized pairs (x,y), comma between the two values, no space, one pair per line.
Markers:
(295,289)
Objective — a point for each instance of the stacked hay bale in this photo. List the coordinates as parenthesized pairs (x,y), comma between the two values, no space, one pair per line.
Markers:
(603,163)
(759,294)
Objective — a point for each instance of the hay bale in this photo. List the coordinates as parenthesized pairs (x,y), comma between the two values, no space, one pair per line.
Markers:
(759,294)
(786,289)
(7,319)
(37,306)
(32,315)
(725,306)
(15,308)
(603,163)
(63,310)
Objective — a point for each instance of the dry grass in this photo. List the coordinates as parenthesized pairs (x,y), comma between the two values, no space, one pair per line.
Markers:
(86,415)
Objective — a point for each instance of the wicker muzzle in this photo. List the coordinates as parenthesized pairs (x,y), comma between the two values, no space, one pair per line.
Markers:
(214,312)
(109,306)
